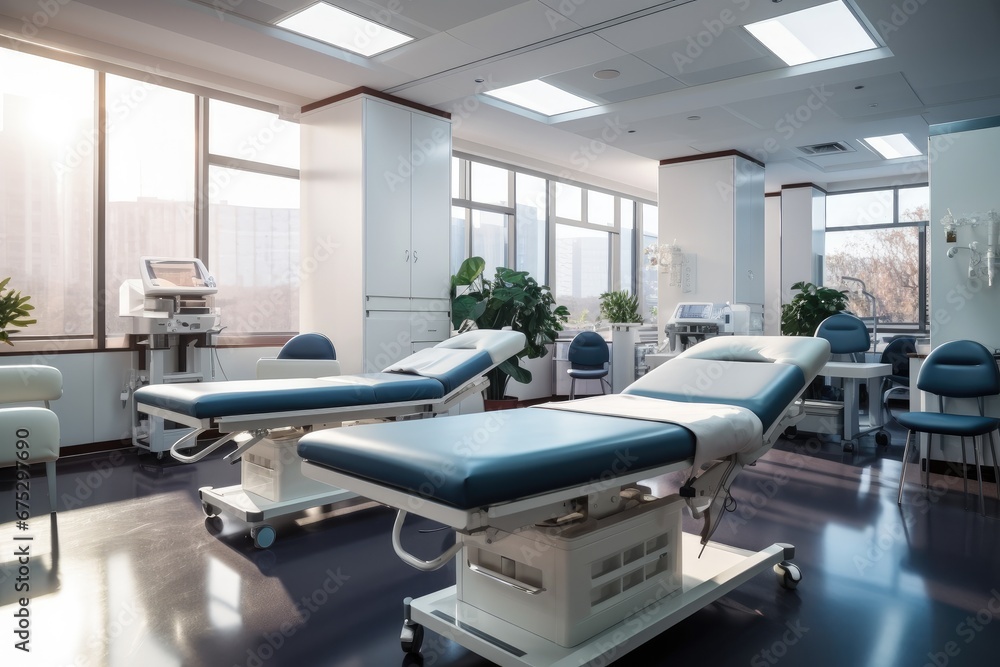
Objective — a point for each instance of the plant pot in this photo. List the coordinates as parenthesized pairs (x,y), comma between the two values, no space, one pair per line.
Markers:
(505,403)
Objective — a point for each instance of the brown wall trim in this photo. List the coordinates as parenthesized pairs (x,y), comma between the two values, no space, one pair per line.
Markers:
(794,186)
(708,156)
(371,92)
(772,194)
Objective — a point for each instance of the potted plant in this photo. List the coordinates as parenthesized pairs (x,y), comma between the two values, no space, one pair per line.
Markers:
(14,311)
(809,307)
(510,299)
(620,308)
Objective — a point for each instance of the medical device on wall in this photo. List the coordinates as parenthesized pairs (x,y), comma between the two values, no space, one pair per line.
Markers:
(172,321)
(976,263)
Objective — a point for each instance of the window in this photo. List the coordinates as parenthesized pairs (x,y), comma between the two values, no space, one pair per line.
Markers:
(582,270)
(877,236)
(47,149)
(590,248)
(150,182)
(530,235)
(241,218)
(649,295)
(253,219)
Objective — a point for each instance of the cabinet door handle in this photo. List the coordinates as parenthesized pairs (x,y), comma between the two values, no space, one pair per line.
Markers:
(414,256)
(406,253)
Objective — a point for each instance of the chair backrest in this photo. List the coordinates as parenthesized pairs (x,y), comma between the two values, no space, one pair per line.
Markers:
(308,346)
(588,350)
(960,369)
(847,334)
(897,354)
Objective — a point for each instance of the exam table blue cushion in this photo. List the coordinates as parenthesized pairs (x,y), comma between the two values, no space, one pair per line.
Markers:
(469,461)
(204,400)
(765,389)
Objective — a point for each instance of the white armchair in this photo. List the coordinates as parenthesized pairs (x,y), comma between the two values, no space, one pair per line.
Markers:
(30,434)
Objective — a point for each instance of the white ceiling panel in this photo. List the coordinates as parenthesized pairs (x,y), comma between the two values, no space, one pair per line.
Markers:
(876,95)
(727,56)
(431,55)
(536,64)
(434,15)
(664,84)
(592,13)
(521,25)
(793,110)
(581,81)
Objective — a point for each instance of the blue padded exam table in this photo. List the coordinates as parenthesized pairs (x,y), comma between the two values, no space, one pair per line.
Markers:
(560,546)
(266,417)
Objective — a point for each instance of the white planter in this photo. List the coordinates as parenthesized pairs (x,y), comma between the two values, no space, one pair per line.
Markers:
(624,336)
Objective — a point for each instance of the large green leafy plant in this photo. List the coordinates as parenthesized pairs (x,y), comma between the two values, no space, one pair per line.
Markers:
(510,299)
(14,312)
(620,307)
(809,307)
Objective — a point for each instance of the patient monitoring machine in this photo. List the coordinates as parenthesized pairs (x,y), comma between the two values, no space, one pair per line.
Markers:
(694,322)
(170,315)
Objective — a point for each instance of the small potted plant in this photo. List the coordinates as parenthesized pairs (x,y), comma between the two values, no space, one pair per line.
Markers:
(809,307)
(620,308)
(14,312)
(510,299)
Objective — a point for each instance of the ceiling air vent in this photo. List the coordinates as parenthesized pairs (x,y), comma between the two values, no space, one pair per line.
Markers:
(827,148)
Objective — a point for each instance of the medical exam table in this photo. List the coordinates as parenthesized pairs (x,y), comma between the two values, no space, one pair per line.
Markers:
(264,420)
(563,557)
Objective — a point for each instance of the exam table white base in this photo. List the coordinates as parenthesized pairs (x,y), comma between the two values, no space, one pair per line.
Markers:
(257,511)
(272,486)
(719,570)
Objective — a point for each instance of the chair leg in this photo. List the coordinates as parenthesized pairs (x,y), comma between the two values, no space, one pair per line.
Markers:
(572,388)
(977,444)
(996,466)
(902,472)
(965,473)
(50,474)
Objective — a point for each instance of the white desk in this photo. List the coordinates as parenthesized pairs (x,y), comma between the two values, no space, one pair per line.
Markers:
(853,375)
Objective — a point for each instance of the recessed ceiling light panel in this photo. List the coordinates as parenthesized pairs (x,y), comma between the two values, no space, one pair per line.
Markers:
(816,33)
(893,146)
(541,97)
(344,30)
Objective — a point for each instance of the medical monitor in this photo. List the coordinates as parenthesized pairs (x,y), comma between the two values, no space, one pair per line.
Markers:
(176,276)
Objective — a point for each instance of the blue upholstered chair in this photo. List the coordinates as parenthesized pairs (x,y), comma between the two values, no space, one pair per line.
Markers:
(847,334)
(588,357)
(307,355)
(959,369)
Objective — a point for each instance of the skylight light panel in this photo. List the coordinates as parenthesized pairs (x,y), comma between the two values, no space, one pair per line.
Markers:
(344,30)
(816,33)
(892,146)
(541,97)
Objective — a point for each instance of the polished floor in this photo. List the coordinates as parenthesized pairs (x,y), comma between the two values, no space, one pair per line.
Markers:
(129,572)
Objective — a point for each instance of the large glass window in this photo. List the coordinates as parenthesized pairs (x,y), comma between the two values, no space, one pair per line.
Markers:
(254,250)
(626,252)
(489,238)
(253,219)
(649,277)
(582,271)
(47,152)
(150,181)
(530,233)
(875,236)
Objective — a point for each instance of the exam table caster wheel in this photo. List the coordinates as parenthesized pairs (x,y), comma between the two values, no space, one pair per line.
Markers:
(789,575)
(411,637)
(791,432)
(209,510)
(882,438)
(263,536)
(849,445)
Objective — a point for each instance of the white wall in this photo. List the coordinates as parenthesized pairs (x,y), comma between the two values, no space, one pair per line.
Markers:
(964,177)
(803,224)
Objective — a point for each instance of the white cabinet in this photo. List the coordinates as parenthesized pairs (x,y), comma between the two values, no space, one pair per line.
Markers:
(375,216)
